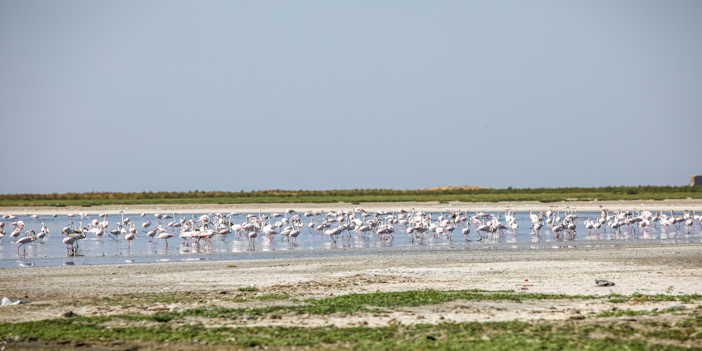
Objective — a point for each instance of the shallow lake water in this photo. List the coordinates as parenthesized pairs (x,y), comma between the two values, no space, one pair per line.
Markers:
(106,250)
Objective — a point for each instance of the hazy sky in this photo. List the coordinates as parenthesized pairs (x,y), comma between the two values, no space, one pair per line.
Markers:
(253,95)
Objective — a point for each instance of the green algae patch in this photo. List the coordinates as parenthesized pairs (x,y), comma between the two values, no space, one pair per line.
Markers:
(215,325)
(447,336)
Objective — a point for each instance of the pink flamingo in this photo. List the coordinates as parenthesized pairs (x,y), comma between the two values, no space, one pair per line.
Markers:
(252,237)
(165,236)
(16,232)
(294,234)
(151,234)
(69,240)
(129,237)
(26,240)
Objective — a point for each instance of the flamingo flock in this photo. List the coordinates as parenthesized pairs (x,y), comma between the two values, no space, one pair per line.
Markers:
(288,226)
(633,221)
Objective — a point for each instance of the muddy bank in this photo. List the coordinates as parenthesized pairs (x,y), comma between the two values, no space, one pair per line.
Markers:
(665,269)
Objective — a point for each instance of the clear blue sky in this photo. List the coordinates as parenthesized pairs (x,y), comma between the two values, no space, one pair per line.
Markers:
(252,95)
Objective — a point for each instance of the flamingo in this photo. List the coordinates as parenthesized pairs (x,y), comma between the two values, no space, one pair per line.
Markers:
(151,234)
(186,233)
(26,240)
(124,221)
(116,232)
(69,229)
(18,224)
(252,237)
(225,231)
(589,226)
(129,237)
(174,224)
(79,235)
(43,233)
(465,232)
(16,233)
(69,240)
(483,228)
(537,227)
(165,236)
(268,231)
(294,234)
(597,226)
(98,231)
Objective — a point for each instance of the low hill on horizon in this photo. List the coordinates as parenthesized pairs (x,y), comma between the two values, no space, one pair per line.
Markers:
(462,187)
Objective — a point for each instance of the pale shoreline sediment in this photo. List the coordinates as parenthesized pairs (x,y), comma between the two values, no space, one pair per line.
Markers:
(558,271)
(677,205)
(662,269)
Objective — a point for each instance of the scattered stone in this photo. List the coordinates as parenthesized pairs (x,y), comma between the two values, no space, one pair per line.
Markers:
(602,282)
(158,308)
(676,307)
(68,314)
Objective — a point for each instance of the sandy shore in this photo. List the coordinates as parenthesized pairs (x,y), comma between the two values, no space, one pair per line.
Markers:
(674,269)
(435,206)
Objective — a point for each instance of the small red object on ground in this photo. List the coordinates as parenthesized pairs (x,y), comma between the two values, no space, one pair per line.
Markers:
(526,280)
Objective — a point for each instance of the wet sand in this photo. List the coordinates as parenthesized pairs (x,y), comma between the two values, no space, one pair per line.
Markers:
(674,269)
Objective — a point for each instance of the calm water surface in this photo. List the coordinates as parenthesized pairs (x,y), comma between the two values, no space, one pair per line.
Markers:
(92,251)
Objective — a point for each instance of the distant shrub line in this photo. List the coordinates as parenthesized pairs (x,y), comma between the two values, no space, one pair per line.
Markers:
(355,196)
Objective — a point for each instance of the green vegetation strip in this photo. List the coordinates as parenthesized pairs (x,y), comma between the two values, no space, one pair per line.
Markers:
(355,196)
(362,302)
(181,327)
(459,336)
